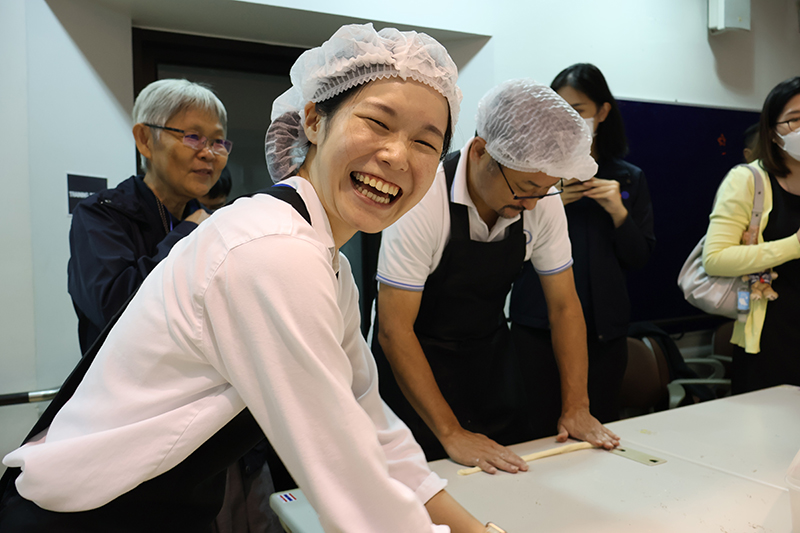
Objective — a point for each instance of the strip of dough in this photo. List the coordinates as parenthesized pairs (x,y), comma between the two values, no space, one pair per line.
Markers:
(538,455)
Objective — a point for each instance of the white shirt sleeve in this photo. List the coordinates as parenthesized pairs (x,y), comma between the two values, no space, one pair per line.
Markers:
(405,457)
(412,247)
(284,331)
(547,237)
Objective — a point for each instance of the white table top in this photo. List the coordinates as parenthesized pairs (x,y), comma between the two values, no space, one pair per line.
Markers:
(726,461)
(754,435)
(593,490)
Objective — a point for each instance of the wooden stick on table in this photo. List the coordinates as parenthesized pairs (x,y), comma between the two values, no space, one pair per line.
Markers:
(538,455)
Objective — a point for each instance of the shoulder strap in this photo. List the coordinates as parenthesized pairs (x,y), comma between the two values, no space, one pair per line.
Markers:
(282,192)
(758,198)
(450,164)
(65,392)
(290,196)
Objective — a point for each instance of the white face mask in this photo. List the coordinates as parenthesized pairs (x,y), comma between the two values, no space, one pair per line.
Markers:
(590,122)
(791,143)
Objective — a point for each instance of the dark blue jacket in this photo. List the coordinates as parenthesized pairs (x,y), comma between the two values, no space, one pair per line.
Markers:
(601,254)
(117,237)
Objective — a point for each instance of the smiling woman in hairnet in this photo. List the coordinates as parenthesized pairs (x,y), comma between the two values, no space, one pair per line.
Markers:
(251,327)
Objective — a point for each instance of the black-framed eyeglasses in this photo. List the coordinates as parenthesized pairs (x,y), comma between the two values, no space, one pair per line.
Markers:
(559,186)
(793,123)
(195,141)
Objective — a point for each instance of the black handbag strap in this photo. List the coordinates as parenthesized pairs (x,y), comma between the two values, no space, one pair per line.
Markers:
(282,192)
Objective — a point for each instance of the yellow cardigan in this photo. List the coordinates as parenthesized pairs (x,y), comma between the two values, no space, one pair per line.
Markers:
(723,255)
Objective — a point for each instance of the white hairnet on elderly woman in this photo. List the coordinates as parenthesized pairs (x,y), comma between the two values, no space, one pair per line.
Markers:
(250,327)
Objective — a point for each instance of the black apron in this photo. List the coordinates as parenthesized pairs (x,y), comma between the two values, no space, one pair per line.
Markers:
(462,328)
(186,498)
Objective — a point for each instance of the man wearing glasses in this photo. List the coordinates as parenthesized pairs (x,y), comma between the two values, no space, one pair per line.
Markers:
(447,364)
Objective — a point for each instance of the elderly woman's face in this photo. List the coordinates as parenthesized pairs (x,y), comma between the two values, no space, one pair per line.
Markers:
(187,172)
(376,157)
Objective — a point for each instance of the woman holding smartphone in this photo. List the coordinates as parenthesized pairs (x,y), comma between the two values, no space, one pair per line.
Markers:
(611,230)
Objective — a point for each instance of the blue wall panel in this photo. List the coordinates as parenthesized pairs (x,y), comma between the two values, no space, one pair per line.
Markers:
(685,152)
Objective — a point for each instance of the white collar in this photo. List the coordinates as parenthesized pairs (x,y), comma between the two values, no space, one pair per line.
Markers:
(319,218)
(460,193)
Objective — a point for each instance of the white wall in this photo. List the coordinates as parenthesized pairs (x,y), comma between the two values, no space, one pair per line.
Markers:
(66,94)
(17,361)
(657,50)
(69,97)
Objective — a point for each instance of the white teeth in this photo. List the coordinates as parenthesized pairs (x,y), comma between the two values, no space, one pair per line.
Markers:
(372,196)
(378,185)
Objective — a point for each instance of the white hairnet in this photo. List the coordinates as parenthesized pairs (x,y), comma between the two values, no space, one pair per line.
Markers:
(354,55)
(529,128)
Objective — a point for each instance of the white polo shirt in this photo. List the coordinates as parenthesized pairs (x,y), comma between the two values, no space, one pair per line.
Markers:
(247,311)
(412,247)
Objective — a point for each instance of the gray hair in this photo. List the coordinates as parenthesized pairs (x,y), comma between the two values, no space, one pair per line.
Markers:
(163,99)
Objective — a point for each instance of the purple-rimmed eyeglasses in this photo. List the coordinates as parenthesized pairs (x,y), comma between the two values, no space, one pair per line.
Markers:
(559,186)
(197,142)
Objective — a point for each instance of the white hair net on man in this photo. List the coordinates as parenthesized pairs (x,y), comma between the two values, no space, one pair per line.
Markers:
(354,55)
(529,128)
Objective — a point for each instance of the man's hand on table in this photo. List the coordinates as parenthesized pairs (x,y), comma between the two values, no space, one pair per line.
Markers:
(473,449)
(580,424)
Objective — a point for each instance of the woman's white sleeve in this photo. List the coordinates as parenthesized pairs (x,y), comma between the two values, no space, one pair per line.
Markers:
(274,328)
(405,457)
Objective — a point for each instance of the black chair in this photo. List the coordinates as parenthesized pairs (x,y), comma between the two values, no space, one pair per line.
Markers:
(645,384)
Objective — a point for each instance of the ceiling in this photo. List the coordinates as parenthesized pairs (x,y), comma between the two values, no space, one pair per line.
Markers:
(249,21)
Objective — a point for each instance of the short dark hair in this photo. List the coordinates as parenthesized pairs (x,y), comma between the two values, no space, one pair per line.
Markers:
(222,188)
(584,77)
(328,108)
(770,154)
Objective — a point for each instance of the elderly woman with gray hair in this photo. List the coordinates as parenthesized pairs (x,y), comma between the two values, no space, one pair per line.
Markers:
(250,327)
(119,235)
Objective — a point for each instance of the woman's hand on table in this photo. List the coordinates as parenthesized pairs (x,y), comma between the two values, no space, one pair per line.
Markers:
(474,449)
(580,424)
